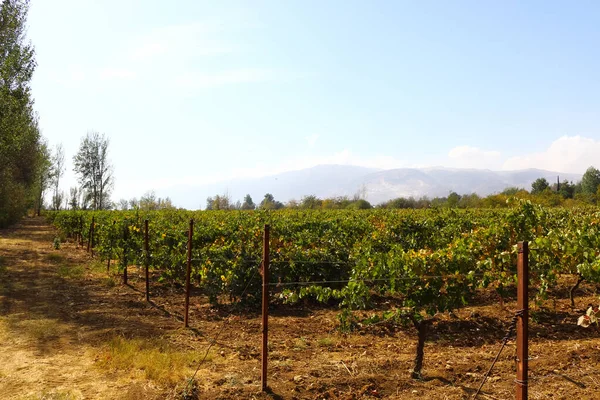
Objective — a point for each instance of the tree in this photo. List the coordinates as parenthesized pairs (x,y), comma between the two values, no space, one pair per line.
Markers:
(360,204)
(248,204)
(44,176)
(269,203)
(311,202)
(219,202)
(20,145)
(148,201)
(511,191)
(453,199)
(123,205)
(58,168)
(74,198)
(134,204)
(539,185)
(590,181)
(94,170)
(567,190)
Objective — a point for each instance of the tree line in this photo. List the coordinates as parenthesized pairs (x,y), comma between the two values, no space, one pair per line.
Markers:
(22,149)
(565,193)
(310,202)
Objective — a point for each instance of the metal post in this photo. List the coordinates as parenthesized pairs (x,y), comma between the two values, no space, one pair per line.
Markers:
(522,322)
(147,260)
(188,274)
(125,237)
(265,308)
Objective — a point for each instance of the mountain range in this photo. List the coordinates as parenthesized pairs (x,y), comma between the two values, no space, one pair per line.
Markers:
(374,185)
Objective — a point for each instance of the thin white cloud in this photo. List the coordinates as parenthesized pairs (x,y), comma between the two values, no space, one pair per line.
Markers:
(473,157)
(566,154)
(116,73)
(195,80)
(184,40)
(149,49)
(312,139)
(76,73)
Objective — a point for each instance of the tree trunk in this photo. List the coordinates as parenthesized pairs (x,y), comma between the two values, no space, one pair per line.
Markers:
(499,292)
(573,289)
(421,327)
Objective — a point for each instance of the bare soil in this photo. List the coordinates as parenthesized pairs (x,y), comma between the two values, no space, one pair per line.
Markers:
(60,314)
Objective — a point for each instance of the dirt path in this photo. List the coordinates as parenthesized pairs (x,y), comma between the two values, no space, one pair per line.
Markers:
(51,329)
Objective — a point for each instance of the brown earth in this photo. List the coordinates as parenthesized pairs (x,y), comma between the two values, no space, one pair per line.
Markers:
(70,331)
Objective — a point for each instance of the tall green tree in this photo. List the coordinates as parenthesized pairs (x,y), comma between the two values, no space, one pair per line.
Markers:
(269,203)
(311,202)
(44,176)
(20,147)
(590,181)
(94,170)
(539,185)
(248,204)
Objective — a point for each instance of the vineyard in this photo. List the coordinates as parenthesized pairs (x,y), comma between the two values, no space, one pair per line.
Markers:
(403,267)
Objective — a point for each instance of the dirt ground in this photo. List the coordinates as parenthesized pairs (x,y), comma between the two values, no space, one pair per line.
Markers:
(70,331)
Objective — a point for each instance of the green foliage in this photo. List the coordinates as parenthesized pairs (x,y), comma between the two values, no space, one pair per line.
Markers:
(428,261)
(590,181)
(269,203)
(539,186)
(19,134)
(248,203)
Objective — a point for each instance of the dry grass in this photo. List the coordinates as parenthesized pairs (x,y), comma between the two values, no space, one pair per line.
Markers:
(326,342)
(70,271)
(38,329)
(54,395)
(157,360)
(55,258)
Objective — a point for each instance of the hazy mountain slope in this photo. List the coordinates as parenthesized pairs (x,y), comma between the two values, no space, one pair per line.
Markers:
(378,185)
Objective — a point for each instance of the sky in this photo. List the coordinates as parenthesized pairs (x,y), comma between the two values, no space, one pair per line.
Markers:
(191,92)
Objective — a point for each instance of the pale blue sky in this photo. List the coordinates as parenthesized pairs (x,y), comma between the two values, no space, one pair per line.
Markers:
(198,91)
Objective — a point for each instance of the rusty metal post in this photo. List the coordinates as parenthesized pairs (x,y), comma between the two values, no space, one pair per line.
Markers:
(522,322)
(188,274)
(125,237)
(265,309)
(147,259)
